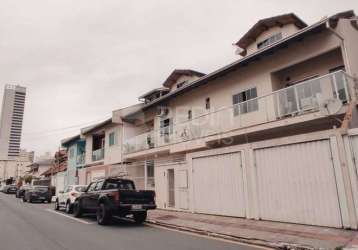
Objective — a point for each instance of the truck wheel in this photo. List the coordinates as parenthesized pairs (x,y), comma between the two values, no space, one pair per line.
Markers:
(140,217)
(104,215)
(77,210)
(68,207)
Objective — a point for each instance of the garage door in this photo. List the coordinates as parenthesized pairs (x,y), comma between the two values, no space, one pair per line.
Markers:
(218,185)
(60,182)
(296,183)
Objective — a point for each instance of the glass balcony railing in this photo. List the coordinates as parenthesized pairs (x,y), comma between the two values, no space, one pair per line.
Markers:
(80,159)
(98,154)
(301,98)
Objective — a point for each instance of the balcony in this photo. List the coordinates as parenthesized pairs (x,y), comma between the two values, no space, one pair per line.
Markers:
(98,154)
(302,98)
(80,159)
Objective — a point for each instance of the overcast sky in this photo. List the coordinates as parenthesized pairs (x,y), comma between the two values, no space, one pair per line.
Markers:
(81,59)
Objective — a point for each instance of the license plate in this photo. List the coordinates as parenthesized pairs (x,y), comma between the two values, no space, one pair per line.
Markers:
(137,207)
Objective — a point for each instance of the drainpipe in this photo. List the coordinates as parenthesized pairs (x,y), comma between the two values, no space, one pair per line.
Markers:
(328,26)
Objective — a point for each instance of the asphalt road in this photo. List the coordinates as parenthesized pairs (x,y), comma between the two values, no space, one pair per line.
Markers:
(25,226)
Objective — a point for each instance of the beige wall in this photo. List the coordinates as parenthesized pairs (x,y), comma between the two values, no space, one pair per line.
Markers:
(112,154)
(286,31)
(350,35)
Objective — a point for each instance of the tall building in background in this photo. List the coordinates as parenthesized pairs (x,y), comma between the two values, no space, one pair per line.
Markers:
(12,113)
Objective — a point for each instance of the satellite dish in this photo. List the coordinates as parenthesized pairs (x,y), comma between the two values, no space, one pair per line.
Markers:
(330,107)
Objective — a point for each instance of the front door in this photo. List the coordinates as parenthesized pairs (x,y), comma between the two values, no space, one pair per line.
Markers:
(171,187)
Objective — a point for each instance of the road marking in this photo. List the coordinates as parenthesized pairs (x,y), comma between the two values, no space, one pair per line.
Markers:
(69,217)
(207,236)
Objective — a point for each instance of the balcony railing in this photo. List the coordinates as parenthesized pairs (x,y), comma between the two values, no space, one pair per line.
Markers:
(80,159)
(98,154)
(301,98)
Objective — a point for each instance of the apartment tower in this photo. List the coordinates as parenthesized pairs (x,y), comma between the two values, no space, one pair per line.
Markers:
(12,113)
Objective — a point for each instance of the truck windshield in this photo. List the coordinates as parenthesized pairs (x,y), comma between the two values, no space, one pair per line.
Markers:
(119,184)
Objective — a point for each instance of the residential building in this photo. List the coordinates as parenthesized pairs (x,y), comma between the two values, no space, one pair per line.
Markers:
(270,136)
(56,175)
(17,166)
(39,167)
(76,153)
(12,113)
(104,147)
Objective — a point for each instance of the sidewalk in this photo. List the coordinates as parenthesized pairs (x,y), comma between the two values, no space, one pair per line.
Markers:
(265,233)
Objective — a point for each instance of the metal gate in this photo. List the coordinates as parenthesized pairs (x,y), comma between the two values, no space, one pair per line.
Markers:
(297,183)
(218,185)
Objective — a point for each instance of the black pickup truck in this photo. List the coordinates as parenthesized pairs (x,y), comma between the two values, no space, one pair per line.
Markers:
(114,196)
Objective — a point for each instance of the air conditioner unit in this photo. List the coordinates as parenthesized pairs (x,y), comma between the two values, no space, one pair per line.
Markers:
(162,111)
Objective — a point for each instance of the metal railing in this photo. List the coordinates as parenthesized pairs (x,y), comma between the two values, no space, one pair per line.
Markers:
(98,154)
(303,97)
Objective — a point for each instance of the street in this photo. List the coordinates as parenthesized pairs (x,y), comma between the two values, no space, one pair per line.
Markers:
(39,227)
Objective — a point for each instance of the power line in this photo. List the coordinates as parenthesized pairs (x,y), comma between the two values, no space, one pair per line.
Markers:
(63,128)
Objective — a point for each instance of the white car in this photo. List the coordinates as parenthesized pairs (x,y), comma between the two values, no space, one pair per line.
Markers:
(66,198)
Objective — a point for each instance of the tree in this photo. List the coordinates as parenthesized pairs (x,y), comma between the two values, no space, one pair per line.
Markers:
(28,179)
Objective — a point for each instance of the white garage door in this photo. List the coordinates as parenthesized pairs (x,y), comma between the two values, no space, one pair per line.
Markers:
(60,182)
(296,183)
(218,185)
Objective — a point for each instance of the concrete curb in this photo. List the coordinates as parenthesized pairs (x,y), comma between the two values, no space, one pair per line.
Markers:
(252,241)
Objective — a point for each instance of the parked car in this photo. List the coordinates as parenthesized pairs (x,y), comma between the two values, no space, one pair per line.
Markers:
(114,196)
(10,189)
(21,191)
(66,198)
(37,193)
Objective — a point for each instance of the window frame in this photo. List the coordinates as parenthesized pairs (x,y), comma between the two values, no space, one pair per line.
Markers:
(114,142)
(245,96)
(270,40)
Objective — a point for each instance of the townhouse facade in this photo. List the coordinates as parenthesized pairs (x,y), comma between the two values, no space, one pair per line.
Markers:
(76,148)
(271,136)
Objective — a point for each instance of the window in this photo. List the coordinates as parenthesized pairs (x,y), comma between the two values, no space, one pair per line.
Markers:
(181,84)
(91,186)
(207,103)
(112,139)
(119,184)
(80,188)
(242,103)
(165,127)
(269,40)
(98,186)
(190,114)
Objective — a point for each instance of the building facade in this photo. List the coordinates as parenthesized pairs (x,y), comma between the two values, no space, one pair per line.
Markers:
(12,113)
(270,136)
(76,153)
